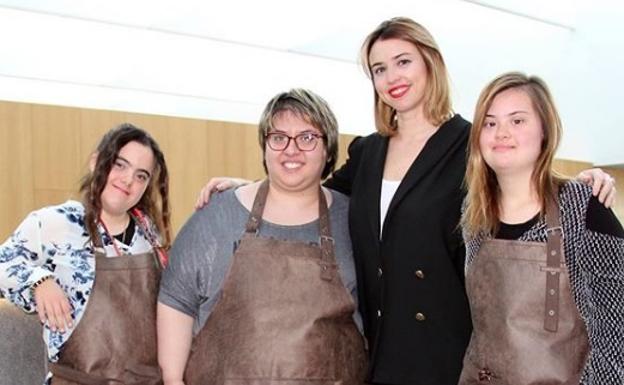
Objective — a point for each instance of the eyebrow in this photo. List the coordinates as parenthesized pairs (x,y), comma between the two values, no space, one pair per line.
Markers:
(393,58)
(509,114)
(318,132)
(119,157)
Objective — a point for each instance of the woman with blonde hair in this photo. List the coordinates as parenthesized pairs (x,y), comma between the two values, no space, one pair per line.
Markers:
(545,260)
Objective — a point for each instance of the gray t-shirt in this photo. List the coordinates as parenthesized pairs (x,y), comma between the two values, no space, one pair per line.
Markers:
(202,252)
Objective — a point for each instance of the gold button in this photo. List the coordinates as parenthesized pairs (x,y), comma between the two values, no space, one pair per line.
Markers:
(420,317)
(420,274)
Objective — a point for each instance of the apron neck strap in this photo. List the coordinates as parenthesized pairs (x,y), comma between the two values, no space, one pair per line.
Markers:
(325,240)
(553,222)
(253,223)
(554,258)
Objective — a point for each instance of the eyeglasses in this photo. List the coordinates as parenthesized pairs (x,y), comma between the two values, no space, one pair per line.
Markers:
(306,141)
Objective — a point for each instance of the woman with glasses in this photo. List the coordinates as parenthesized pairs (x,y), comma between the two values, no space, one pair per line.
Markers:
(261,283)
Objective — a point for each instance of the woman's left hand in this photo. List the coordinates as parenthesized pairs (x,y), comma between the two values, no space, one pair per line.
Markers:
(603,185)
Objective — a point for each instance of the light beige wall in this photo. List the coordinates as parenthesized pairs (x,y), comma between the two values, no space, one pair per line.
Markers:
(44,152)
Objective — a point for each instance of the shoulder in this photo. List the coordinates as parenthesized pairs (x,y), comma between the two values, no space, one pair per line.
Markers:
(360,143)
(68,213)
(457,122)
(578,203)
(219,209)
(340,202)
(573,199)
(575,191)
(456,130)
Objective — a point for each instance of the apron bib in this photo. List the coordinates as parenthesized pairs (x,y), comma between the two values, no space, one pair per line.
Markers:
(115,341)
(526,326)
(284,316)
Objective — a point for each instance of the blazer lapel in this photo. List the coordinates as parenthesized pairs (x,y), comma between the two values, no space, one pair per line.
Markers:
(375,165)
(437,147)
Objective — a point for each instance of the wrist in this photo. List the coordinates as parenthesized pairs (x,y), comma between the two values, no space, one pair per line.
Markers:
(39,282)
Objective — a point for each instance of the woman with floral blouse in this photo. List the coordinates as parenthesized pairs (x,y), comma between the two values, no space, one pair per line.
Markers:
(51,261)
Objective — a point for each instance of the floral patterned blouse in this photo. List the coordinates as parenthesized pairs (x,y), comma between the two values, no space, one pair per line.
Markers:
(54,241)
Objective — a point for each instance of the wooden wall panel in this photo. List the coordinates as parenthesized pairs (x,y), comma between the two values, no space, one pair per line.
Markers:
(44,150)
(16,166)
(93,125)
(188,168)
(343,145)
(570,168)
(56,147)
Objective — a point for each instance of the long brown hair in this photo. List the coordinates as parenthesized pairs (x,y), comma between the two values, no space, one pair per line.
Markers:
(155,201)
(438,106)
(482,202)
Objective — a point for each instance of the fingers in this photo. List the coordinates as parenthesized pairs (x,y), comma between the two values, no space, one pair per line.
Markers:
(210,187)
(597,184)
(610,200)
(203,197)
(607,192)
(585,177)
(53,306)
(215,185)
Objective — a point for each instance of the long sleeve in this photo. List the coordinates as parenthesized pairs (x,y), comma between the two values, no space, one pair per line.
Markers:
(23,261)
(602,263)
(342,179)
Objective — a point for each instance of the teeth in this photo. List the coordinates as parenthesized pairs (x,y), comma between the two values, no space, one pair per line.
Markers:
(292,165)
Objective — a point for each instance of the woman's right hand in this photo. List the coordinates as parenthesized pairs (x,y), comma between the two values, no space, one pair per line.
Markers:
(217,184)
(53,306)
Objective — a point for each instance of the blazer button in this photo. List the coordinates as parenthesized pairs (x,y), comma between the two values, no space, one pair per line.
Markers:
(419,274)
(379,272)
(420,317)
(378,313)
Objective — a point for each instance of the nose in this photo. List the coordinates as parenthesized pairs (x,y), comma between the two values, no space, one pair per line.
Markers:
(126,177)
(392,74)
(502,131)
(291,148)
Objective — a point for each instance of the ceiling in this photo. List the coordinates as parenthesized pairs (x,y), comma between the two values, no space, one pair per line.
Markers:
(224,60)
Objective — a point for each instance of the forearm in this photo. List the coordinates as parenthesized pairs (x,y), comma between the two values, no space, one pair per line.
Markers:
(175,333)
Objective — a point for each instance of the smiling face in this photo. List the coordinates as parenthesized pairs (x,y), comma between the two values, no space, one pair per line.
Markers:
(292,169)
(128,179)
(512,134)
(399,74)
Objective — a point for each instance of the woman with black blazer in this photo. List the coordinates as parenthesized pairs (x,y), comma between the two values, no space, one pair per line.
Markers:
(405,185)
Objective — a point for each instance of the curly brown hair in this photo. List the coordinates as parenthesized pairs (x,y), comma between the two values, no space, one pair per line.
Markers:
(155,201)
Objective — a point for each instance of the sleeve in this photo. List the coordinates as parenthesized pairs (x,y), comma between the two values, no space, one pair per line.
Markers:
(184,283)
(22,262)
(602,265)
(602,220)
(342,179)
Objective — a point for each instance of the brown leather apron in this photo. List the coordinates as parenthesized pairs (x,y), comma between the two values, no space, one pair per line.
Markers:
(115,341)
(284,316)
(527,329)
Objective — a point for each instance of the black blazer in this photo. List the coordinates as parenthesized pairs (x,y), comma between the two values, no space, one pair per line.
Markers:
(411,283)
